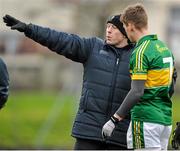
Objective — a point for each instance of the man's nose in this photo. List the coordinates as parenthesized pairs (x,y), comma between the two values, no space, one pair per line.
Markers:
(109,29)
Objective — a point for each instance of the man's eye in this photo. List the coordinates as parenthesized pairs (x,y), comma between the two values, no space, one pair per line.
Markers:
(114,27)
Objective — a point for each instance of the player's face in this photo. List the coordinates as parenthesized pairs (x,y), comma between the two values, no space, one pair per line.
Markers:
(113,35)
(129,30)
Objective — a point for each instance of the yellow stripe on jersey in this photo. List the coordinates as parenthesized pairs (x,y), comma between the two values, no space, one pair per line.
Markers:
(139,77)
(137,134)
(154,78)
(139,138)
(139,54)
(141,57)
(158,78)
(140,48)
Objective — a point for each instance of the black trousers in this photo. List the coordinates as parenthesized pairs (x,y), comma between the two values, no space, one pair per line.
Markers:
(85,144)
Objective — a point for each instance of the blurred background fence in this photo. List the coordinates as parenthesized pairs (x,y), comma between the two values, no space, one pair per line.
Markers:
(45,87)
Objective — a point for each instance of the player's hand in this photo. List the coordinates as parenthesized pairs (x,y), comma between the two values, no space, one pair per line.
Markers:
(108,129)
(14,23)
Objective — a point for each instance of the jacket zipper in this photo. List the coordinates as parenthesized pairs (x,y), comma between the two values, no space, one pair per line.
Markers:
(117,61)
(110,99)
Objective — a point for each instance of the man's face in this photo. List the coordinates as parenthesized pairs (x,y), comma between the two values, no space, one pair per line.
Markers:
(129,28)
(113,35)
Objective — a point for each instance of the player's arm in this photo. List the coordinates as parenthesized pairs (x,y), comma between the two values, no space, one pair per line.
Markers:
(132,98)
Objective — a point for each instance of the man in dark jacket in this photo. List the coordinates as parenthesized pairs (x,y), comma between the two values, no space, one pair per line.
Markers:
(106,79)
(4,83)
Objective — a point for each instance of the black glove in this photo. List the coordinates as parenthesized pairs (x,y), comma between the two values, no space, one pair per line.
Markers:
(14,23)
(176,137)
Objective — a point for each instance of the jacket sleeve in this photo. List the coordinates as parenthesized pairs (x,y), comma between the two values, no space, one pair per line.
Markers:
(68,45)
(4,83)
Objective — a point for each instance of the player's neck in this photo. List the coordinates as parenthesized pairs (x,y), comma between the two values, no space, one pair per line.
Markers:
(141,33)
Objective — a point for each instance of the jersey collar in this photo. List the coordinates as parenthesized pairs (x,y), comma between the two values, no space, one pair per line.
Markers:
(147,37)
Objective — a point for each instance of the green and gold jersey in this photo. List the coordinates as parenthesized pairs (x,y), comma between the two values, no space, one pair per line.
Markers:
(152,61)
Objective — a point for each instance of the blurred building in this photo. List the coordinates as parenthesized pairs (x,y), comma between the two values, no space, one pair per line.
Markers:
(29,63)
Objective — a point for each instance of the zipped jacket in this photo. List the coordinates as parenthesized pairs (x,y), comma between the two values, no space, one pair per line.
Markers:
(106,80)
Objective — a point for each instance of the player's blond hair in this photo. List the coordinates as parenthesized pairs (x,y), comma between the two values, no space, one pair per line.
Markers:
(135,14)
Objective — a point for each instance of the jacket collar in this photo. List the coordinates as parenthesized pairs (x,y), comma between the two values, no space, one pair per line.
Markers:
(127,47)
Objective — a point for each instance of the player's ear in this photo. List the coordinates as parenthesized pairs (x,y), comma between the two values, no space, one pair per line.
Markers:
(131,26)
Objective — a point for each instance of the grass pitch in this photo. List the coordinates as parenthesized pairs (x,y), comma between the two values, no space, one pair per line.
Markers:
(43,120)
